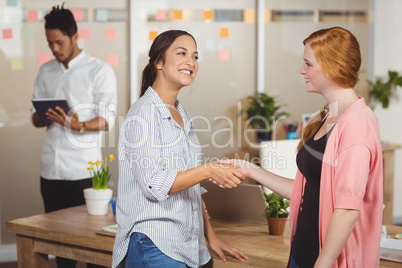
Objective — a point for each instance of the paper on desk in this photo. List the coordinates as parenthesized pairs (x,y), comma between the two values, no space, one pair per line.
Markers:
(110,228)
(391,249)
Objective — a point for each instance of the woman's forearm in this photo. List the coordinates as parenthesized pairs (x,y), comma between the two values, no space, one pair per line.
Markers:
(280,185)
(226,175)
(340,227)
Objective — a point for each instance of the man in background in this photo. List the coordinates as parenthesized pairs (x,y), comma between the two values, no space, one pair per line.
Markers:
(73,139)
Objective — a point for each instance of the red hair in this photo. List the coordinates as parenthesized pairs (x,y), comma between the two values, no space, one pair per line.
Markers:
(338,54)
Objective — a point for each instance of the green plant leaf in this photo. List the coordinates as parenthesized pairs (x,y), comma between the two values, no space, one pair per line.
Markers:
(276,206)
(381,92)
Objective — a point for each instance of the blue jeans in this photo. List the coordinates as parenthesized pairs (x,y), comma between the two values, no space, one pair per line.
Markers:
(293,264)
(142,252)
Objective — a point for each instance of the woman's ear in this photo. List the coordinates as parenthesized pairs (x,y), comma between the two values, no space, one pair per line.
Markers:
(159,65)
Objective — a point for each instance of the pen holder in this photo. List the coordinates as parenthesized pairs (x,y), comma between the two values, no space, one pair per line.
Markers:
(113,203)
(292,135)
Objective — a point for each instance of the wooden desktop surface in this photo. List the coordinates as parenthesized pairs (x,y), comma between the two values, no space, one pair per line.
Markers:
(72,233)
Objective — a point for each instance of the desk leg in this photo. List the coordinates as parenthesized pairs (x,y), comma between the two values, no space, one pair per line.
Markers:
(388,191)
(27,257)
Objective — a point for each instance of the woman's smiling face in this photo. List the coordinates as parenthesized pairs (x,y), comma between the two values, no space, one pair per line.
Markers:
(316,80)
(181,62)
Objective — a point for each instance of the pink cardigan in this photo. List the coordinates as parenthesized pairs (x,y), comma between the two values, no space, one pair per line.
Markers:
(352,178)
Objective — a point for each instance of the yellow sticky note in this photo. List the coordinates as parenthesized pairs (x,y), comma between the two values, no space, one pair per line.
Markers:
(224,32)
(16,64)
(249,15)
(177,14)
(90,14)
(152,35)
(208,14)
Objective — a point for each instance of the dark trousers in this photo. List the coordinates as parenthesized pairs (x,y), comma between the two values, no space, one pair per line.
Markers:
(60,194)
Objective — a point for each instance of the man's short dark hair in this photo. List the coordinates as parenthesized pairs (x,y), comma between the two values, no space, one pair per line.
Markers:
(62,19)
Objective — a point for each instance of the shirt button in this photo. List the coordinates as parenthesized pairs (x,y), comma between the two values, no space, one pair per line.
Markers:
(150,187)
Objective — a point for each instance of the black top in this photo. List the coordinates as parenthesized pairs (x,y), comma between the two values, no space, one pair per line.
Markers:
(305,246)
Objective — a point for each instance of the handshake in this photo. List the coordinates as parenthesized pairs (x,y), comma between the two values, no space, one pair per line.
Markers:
(229,173)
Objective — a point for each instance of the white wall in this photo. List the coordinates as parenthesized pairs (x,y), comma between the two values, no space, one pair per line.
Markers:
(387,56)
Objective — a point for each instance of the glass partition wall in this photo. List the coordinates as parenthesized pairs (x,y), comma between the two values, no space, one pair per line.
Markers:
(245,47)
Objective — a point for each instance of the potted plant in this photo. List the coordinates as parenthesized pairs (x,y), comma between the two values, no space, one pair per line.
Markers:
(276,213)
(97,198)
(381,92)
(262,112)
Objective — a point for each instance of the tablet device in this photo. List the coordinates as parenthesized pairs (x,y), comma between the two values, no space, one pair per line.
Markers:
(42,105)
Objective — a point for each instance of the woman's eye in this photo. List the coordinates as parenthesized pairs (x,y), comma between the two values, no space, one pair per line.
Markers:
(182,53)
(196,57)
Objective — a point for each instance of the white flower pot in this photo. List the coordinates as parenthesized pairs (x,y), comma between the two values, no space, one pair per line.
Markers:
(97,200)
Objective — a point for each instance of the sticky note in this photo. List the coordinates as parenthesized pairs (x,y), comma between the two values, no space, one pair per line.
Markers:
(77,13)
(223,54)
(208,14)
(210,44)
(249,15)
(33,15)
(177,14)
(90,14)
(101,14)
(152,35)
(224,32)
(85,33)
(12,3)
(7,33)
(111,34)
(43,58)
(161,14)
(26,33)
(16,64)
(113,59)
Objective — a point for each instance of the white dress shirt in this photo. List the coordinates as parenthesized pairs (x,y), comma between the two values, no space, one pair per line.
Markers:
(152,149)
(89,86)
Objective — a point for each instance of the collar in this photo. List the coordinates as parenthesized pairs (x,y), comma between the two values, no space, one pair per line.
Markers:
(164,111)
(74,61)
(157,101)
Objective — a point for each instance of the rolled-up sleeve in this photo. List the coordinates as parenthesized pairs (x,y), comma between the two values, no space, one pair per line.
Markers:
(154,171)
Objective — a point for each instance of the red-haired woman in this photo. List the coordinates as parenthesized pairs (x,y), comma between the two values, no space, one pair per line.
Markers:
(336,198)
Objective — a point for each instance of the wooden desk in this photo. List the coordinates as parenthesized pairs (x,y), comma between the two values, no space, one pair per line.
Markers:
(67,233)
(71,233)
(388,191)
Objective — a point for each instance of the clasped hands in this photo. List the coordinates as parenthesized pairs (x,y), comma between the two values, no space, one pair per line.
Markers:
(229,173)
(69,120)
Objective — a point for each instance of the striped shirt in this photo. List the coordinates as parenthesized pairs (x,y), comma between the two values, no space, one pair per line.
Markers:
(152,149)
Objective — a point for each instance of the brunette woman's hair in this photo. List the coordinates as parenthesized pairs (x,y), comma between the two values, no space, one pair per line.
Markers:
(338,54)
(156,54)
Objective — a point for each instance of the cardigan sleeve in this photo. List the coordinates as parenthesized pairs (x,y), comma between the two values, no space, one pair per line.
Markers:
(351,176)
